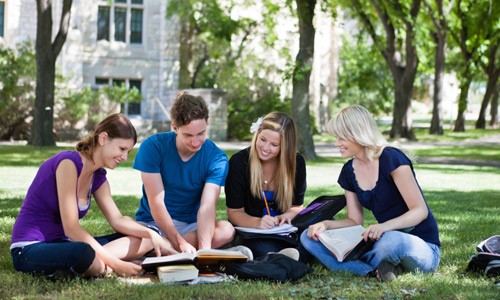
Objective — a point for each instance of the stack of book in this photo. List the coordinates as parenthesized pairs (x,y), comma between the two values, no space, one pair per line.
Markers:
(183,267)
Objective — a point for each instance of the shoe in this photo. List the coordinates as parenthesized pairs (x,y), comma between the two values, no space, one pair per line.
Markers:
(388,272)
(290,252)
(61,274)
(244,250)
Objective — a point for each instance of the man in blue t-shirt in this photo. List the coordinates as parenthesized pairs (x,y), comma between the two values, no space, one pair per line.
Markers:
(182,174)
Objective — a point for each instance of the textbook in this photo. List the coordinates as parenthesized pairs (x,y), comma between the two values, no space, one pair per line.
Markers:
(204,259)
(177,273)
(346,243)
(283,229)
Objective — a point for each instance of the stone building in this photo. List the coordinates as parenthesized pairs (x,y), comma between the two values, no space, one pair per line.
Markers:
(117,42)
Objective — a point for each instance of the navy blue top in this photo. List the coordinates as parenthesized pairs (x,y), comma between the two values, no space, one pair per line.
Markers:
(385,200)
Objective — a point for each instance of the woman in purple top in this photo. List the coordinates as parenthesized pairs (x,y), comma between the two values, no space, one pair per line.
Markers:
(381,179)
(47,237)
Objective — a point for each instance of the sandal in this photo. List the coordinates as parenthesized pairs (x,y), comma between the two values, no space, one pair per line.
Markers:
(388,272)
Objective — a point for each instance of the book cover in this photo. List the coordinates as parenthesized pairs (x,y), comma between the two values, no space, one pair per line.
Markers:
(177,273)
(346,243)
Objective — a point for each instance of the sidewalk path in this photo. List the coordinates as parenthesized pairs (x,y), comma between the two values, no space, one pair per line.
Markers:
(325,149)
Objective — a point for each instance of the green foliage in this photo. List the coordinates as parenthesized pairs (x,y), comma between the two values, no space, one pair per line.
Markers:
(250,97)
(17,89)
(75,106)
(363,77)
(91,104)
(225,46)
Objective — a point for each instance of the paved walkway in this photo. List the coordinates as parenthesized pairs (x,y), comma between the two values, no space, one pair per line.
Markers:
(324,149)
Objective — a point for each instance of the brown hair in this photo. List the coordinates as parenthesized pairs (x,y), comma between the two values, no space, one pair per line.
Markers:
(287,160)
(187,108)
(117,126)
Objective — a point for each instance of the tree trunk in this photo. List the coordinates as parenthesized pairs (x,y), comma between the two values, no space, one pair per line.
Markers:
(439,69)
(301,77)
(493,72)
(400,55)
(185,53)
(490,90)
(494,108)
(46,55)
(437,98)
(462,102)
(401,116)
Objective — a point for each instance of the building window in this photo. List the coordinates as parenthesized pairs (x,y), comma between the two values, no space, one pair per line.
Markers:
(126,108)
(120,21)
(103,23)
(2,17)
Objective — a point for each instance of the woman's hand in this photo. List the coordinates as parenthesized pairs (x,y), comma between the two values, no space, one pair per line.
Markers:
(125,268)
(315,229)
(267,222)
(374,232)
(281,219)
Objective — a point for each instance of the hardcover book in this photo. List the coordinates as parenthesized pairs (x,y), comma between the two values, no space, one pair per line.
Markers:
(205,259)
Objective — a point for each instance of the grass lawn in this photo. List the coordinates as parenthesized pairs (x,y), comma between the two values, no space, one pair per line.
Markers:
(464,199)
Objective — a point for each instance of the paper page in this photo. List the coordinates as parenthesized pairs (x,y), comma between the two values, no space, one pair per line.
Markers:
(169,258)
(218,252)
(282,229)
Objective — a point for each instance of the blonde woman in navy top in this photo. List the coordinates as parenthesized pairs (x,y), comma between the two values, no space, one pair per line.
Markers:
(380,178)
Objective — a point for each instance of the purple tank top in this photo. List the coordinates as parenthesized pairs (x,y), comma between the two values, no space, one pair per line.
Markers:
(39,218)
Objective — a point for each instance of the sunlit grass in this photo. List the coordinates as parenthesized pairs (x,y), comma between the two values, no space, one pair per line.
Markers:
(464,199)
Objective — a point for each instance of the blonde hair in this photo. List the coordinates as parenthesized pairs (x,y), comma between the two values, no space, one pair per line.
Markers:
(287,160)
(354,123)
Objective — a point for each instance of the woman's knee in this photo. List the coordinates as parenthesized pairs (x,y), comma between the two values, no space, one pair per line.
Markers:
(88,263)
(305,240)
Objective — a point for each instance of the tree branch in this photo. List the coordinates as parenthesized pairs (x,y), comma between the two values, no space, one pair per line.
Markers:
(63,28)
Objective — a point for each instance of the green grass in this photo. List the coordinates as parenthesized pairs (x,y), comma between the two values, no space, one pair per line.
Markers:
(464,199)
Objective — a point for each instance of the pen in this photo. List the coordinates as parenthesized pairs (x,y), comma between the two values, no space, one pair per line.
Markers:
(265,201)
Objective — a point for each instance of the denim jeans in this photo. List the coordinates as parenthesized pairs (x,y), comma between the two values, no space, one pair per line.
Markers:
(48,257)
(396,247)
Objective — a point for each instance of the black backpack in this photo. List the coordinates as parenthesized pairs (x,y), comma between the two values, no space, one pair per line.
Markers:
(272,267)
(487,259)
(322,208)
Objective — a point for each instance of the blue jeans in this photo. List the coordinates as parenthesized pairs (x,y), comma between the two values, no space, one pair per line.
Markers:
(396,247)
(48,257)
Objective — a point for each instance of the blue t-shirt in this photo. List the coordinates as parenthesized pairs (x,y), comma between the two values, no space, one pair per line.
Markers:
(385,200)
(183,182)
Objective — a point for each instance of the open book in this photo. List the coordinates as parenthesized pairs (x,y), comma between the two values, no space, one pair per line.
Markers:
(203,259)
(284,229)
(345,243)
